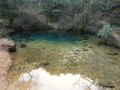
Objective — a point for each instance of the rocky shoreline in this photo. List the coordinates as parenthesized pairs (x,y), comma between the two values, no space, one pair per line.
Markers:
(6,46)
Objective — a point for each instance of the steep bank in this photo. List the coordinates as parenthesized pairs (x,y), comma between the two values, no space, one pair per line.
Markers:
(5,62)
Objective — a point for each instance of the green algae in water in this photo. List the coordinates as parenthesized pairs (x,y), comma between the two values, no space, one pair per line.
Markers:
(67,55)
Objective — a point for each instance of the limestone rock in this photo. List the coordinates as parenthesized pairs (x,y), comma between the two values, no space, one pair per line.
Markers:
(7,45)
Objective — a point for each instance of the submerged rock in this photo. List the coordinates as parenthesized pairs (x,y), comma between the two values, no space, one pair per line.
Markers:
(90,46)
(77,50)
(106,85)
(22,45)
(76,53)
(85,49)
(43,47)
(113,53)
(73,62)
(20,67)
(45,62)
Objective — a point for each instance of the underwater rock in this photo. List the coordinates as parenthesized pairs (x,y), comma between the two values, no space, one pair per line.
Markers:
(31,39)
(85,44)
(76,53)
(95,49)
(98,53)
(90,46)
(77,50)
(72,62)
(36,64)
(73,42)
(113,53)
(45,62)
(43,47)
(27,60)
(85,49)
(85,41)
(105,85)
(22,45)
(21,67)
(101,43)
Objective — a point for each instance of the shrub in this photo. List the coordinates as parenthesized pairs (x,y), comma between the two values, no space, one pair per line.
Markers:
(105,32)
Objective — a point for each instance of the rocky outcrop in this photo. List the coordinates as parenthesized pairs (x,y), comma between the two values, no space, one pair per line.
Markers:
(115,37)
(6,46)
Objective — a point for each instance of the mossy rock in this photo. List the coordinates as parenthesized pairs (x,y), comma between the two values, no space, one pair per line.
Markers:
(118,32)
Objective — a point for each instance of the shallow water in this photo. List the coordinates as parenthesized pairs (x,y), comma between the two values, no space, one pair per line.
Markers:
(43,80)
(52,61)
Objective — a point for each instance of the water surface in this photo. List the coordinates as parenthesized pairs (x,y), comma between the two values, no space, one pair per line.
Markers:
(59,61)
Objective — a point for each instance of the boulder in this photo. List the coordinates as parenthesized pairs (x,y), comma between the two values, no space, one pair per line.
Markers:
(7,45)
(115,37)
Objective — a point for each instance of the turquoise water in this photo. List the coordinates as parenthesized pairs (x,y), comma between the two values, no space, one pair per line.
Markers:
(60,61)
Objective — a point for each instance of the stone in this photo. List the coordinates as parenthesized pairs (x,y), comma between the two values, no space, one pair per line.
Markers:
(43,47)
(115,39)
(72,62)
(7,45)
(77,50)
(113,53)
(101,43)
(106,85)
(76,53)
(91,47)
(85,49)
(22,45)
(45,62)
(36,64)
(21,67)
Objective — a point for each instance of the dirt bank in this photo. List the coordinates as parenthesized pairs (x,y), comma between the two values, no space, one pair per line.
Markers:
(5,62)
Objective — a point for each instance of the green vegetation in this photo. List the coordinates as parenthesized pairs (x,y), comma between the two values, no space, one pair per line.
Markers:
(4,33)
(78,16)
(105,32)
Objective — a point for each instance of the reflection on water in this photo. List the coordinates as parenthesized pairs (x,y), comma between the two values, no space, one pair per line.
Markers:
(61,53)
(42,80)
